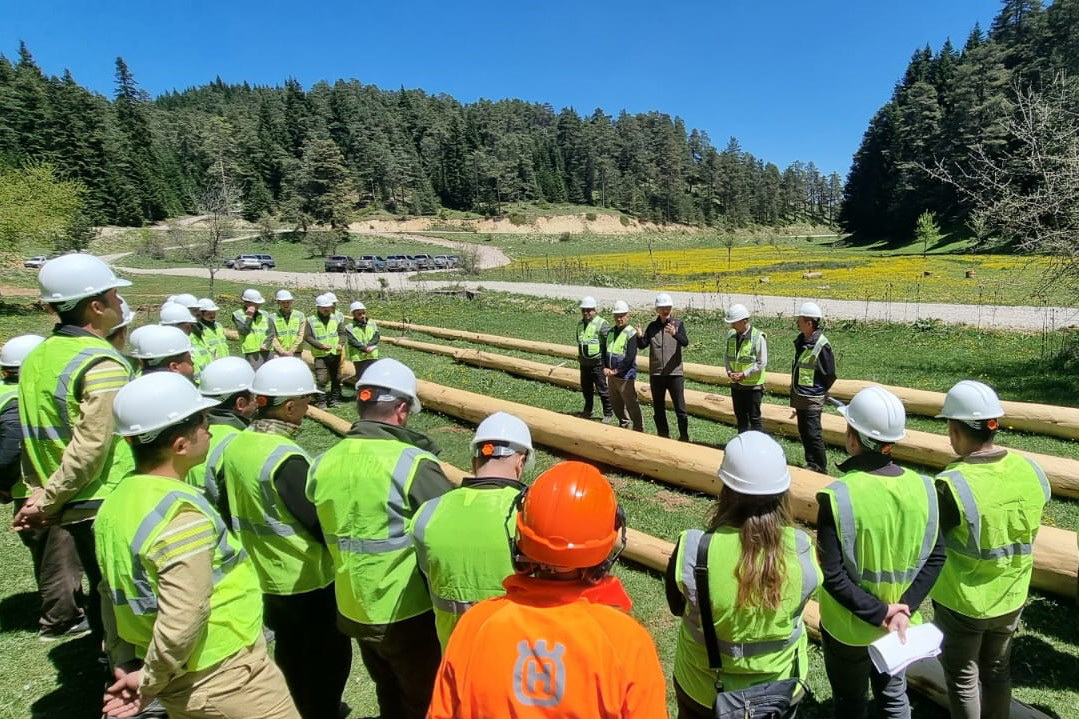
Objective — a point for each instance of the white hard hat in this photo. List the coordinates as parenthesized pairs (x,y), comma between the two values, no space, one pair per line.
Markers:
(501,435)
(252,295)
(876,414)
(174,313)
(284,377)
(127,316)
(185,299)
(153,402)
(332,296)
(621,308)
(357,305)
(76,276)
(736,313)
(391,375)
(226,376)
(208,305)
(664,300)
(971,401)
(811,310)
(284,296)
(16,349)
(158,341)
(753,463)
(323,301)
(588,303)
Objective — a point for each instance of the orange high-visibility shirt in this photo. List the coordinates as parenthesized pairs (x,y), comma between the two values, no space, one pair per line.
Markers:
(552,650)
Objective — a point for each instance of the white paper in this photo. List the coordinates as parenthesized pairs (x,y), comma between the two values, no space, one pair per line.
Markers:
(891,657)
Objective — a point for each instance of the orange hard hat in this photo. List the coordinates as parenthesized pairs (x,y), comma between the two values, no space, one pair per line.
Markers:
(568,517)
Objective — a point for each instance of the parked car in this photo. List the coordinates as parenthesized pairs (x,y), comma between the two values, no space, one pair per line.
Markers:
(36,261)
(455,260)
(340,263)
(380,263)
(251,262)
(424,261)
(410,264)
(442,262)
(399,263)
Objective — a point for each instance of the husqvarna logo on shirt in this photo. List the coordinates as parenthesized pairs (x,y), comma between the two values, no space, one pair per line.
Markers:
(539,675)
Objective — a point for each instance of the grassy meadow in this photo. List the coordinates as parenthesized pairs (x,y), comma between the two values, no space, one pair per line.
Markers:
(63,679)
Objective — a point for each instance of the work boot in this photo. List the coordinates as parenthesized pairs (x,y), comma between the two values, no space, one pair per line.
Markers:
(331,402)
(609,419)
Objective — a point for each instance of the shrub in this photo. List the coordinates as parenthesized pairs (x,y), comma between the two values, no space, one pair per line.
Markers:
(624,220)
(565,237)
(590,216)
(518,219)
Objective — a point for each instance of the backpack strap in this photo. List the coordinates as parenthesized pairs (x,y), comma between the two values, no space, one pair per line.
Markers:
(704,601)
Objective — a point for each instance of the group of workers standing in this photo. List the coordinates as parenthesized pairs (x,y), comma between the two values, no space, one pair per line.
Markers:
(199,521)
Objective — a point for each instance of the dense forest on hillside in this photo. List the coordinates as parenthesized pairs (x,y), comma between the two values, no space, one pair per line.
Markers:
(957,109)
(321,154)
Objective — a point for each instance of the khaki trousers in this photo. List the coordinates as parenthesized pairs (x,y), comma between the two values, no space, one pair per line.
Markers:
(247,685)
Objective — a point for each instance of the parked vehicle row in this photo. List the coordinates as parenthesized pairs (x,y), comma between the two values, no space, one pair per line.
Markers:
(251,262)
(390,263)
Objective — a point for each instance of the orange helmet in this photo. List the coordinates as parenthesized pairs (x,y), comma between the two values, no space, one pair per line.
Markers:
(569,517)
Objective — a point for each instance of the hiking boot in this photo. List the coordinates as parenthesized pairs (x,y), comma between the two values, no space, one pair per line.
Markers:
(78,628)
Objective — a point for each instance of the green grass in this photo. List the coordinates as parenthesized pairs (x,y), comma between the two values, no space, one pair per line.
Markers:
(1046,650)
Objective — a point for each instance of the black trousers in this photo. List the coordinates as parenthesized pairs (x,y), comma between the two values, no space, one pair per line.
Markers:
(812,439)
(82,533)
(403,663)
(360,366)
(593,381)
(675,384)
(58,574)
(328,369)
(849,669)
(313,654)
(747,408)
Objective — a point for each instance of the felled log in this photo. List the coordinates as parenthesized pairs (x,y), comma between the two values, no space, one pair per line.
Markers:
(1045,419)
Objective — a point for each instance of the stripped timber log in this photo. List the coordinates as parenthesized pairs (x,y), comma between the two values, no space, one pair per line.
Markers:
(926,677)
(1045,419)
(922,448)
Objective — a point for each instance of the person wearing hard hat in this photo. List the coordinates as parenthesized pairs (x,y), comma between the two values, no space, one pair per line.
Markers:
(360,338)
(333,307)
(664,339)
(57,571)
(621,369)
(288,326)
(561,641)
(263,501)
(366,489)
(255,328)
(67,384)
(181,600)
(117,336)
(321,332)
(173,314)
(227,380)
(213,334)
(746,359)
(881,551)
(741,585)
(591,356)
(991,502)
(163,348)
(463,568)
(812,375)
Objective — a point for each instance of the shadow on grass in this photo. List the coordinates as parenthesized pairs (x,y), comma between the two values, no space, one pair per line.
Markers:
(81,682)
(19,612)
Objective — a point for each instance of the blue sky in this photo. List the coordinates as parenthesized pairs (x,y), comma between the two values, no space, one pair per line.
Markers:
(791,79)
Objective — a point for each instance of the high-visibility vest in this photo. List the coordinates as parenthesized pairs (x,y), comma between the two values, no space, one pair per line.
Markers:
(326,333)
(206,475)
(287,558)
(364,335)
(288,330)
(127,525)
(588,337)
(745,356)
(360,489)
(255,340)
(10,393)
(49,404)
(991,551)
(213,338)
(887,528)
(200,354)
(464,567)
(805,365)
(616,348)
(758,645)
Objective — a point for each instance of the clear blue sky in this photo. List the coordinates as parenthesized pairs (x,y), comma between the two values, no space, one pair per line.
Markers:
(791,79)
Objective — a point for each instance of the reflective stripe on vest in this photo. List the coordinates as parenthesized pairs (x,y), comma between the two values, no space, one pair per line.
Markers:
(806,364)
(254,340)
(289,330)
(204,476)
(215,341)
(742,357)
(364,337)
(588,337)
(326,333)
(616,348)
